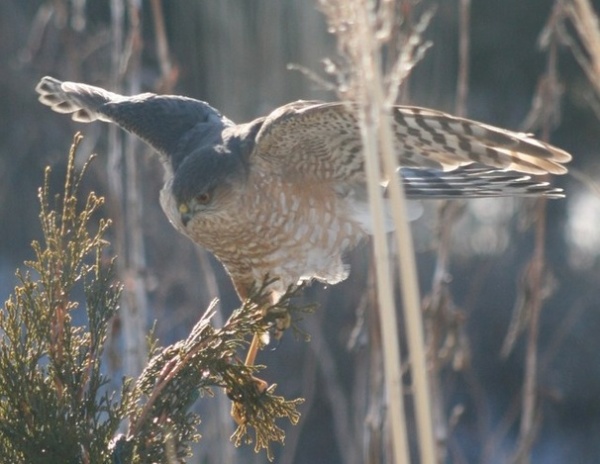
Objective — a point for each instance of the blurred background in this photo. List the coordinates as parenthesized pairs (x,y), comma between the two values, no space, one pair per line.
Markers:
(235,54)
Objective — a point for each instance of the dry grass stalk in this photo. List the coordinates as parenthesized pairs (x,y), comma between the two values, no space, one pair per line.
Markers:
(586,46)
(587,25)
(363,28)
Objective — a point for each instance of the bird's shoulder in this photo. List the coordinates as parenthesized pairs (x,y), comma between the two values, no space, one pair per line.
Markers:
(301,141)
(302,122)
(298,117)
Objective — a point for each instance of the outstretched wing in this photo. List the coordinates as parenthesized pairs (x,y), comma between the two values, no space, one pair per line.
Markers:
(322,141)
(163,121)
(85,102)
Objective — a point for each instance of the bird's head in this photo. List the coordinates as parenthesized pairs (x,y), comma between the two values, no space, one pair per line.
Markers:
(206,183)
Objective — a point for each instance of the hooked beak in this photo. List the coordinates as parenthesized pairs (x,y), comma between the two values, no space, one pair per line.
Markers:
(184,214)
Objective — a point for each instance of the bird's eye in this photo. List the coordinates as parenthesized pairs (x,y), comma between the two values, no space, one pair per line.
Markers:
(203,198)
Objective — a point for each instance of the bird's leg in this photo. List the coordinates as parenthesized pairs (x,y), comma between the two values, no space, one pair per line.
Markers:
(256,339)
(253,350)
(282,322)
(237,408)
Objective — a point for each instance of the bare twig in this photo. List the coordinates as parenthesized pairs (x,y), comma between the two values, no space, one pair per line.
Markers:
(168,76)
(309,382)
(587,25)
(586,47)
(548,108)
(462,84)
(123,182)
(335,393)
(223,428)
(37,31)
(439,327)
(410,54)
(374,420)
(169,371)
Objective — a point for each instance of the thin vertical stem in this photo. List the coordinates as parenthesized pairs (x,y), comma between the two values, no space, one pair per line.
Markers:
(370,122)
(464,45)
(124,184)
(411,304)
(378,139)
(449,211)
(162,46)
(530,402)
(409,283)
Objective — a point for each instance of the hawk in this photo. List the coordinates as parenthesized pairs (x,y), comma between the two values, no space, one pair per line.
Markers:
(285,194)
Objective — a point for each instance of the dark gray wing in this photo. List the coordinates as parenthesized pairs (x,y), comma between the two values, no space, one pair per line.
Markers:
(163,121)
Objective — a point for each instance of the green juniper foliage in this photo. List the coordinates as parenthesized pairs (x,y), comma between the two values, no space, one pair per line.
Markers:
(55,402)
(52,404)
(176,375)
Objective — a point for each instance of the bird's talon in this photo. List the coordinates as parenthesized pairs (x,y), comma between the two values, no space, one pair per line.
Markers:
(261,385)
(237,412)
(238,409)
(283,322)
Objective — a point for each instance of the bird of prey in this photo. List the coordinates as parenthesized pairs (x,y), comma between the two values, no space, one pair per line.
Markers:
(285,195)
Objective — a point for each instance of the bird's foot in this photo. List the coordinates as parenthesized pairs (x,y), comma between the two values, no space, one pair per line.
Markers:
(243,397)
(280,319)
